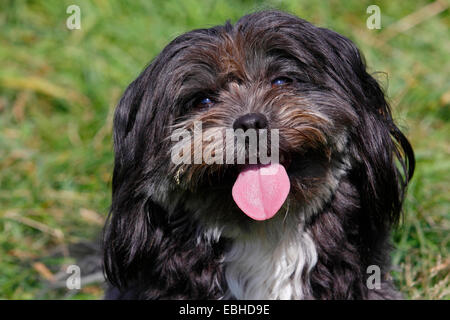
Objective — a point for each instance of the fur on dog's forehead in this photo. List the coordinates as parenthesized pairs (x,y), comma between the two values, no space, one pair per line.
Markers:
(251,50)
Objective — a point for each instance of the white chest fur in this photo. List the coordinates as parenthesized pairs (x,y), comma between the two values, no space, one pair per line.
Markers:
(264,268)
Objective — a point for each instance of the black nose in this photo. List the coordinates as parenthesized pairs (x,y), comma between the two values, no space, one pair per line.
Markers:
(250,121)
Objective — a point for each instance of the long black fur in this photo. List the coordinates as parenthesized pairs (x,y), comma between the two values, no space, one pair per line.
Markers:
(151,255)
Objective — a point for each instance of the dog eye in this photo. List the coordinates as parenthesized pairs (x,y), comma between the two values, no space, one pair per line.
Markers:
(205,102)
(280,81)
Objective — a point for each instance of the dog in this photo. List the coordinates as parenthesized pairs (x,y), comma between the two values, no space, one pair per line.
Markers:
(209,230)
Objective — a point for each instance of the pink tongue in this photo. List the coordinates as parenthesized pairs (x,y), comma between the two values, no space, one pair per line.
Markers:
(260,191)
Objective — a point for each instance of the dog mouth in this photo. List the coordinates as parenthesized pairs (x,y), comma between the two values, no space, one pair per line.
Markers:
(261,190)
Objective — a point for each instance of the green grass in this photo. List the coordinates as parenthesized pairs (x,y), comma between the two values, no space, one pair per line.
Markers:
(58,89)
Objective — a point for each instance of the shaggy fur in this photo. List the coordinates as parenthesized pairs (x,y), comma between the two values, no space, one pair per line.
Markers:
(174,231)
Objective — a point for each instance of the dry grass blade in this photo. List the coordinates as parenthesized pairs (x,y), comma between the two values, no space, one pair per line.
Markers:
(18,108)
(43,271)
(57,233)
(43,86)
(414,19)
(91,216)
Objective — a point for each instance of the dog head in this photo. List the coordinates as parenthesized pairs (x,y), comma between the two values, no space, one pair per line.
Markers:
(271,72)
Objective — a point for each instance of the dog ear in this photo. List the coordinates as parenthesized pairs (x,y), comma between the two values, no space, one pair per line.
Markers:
(385,157)
(127,230)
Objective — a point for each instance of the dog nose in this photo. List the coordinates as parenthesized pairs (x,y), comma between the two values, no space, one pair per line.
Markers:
(250,121)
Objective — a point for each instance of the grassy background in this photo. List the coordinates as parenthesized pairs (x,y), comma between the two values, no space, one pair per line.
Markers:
(58,90)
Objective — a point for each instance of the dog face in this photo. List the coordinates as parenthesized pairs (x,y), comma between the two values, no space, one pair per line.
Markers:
(270,71)
(289,79)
